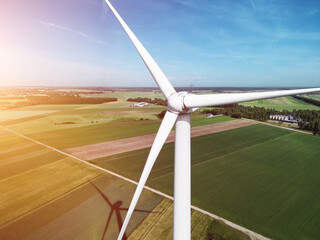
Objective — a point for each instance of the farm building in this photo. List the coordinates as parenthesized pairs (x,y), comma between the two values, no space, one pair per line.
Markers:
(285,118)
(140,104)
(209,115)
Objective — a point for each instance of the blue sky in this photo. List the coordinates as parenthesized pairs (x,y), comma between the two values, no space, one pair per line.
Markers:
(216,43)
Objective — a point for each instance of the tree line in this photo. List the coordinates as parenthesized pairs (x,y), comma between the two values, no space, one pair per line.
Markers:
(308,100)
(59,99)
(68,99)
(156,101)
(239,111)
(310,118)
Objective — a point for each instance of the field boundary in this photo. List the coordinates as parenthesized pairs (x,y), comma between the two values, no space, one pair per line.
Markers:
(251,233)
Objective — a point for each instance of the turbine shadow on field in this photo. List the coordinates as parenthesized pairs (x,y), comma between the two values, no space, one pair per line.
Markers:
(115,208)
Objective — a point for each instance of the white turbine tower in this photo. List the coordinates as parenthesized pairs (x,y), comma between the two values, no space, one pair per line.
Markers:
(180,106)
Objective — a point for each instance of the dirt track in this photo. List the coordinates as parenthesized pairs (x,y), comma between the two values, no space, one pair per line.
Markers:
(98,150)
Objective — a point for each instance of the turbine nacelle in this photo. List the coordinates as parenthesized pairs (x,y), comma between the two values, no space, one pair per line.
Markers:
(176,103)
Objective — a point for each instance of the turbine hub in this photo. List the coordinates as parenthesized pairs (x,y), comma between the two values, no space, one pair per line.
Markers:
(176,103)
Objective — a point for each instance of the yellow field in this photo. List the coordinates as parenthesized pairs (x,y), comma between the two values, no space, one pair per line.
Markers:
(125,95)
(18,155)
(159,226)
(51,107)
(31,189)
(82,213)
(42,192)
(12,115)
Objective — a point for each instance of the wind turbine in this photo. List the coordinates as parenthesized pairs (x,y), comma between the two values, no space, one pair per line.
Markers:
(180,107)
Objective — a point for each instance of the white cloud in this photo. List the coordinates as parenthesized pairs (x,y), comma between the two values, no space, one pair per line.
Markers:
(252,3)
(80,34)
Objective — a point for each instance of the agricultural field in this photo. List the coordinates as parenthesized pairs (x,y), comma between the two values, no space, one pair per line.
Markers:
(261,177)
(103,149)
(18,155)
(120,129)
(156,225)
(43,191)
(14,115)
(122,96)
(313,96)
(87,124)
(47,191)
(65,126)
(50,107)
(44,118)
(32,189)
(78,118)
(282,103)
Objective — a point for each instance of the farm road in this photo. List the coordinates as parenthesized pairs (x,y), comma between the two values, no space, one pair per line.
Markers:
(98,150)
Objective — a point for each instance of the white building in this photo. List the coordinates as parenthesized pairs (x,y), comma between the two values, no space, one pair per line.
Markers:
(285,118)
(140,104)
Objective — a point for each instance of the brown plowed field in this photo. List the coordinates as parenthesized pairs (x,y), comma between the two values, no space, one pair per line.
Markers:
(98,150)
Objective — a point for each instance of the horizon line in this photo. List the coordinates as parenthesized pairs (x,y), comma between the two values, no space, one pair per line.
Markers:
(155,88)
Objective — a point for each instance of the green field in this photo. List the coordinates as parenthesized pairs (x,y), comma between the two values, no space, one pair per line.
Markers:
(315,97)
(261,177)
(120,129)
(282,103)
(45,119)
(219,230)
(78,118)
(36,118)
(94,124)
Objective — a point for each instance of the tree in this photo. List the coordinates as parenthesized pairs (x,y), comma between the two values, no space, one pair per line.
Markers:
(161,115)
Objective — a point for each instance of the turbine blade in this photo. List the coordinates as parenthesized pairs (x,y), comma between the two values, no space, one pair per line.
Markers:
(157,74)
(206,100)
(163,133)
